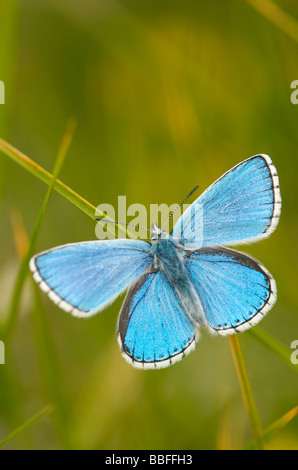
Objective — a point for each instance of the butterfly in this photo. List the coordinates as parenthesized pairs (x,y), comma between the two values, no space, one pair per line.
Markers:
(182,281)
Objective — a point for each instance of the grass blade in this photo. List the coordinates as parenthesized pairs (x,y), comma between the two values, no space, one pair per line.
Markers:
(45,176)
(276,426)
(273,345)
(44,412)
(277,16)
(246,390)
(52,378)
(50,368)
(8,326)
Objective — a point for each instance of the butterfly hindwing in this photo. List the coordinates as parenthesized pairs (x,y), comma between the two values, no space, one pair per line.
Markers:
(83,278)
(236,291)
(242,206)
(153,329)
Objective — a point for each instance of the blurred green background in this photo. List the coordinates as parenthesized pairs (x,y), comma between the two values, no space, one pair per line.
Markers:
(167,95)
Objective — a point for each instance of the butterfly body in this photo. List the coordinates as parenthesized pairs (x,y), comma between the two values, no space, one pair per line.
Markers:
(170,258)
(180,281)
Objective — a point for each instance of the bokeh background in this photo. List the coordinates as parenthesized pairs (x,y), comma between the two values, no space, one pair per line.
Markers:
(167,95)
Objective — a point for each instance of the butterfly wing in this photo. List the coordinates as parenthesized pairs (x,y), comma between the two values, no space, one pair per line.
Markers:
(242,206)
(235,290)
(153,329)
(83,278)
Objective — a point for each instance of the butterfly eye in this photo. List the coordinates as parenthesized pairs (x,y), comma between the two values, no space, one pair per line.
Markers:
(154,238)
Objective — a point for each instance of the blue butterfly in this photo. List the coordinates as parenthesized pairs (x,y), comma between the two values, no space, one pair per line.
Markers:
(181,281)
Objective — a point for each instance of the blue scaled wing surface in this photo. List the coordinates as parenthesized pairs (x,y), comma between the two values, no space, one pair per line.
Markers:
(242,206)
(235,290)
(153,329)
(83,278)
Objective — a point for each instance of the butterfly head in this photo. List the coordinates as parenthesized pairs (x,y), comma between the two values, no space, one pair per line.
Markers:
(157,234)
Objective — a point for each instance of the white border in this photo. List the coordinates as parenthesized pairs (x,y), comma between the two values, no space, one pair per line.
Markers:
(277,197)
(158,364)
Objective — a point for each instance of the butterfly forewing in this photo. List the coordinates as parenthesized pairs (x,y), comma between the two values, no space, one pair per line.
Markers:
(83,278)
(240,207)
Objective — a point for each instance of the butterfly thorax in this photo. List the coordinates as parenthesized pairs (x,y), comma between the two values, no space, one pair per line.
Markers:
(169,258)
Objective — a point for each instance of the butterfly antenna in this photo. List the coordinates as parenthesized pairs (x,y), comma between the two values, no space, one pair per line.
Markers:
(173,212)
(122,223)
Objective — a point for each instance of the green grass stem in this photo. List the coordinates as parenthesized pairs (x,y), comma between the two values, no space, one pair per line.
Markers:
(41,414)
(247,395)
(277,16)
(51,375)
(275,427)
(23,270)
(272,344)
(45,176)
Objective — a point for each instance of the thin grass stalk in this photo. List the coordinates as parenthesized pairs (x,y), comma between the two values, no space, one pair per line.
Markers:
(41,414)
(276,427)
(51,375)
(23,270)
(65,191)
(247,395)
(277,16)
(272,344)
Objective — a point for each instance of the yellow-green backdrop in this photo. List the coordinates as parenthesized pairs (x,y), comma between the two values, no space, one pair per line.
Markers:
(166,95)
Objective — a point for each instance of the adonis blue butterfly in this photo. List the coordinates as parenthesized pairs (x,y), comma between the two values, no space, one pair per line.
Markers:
(180,282)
